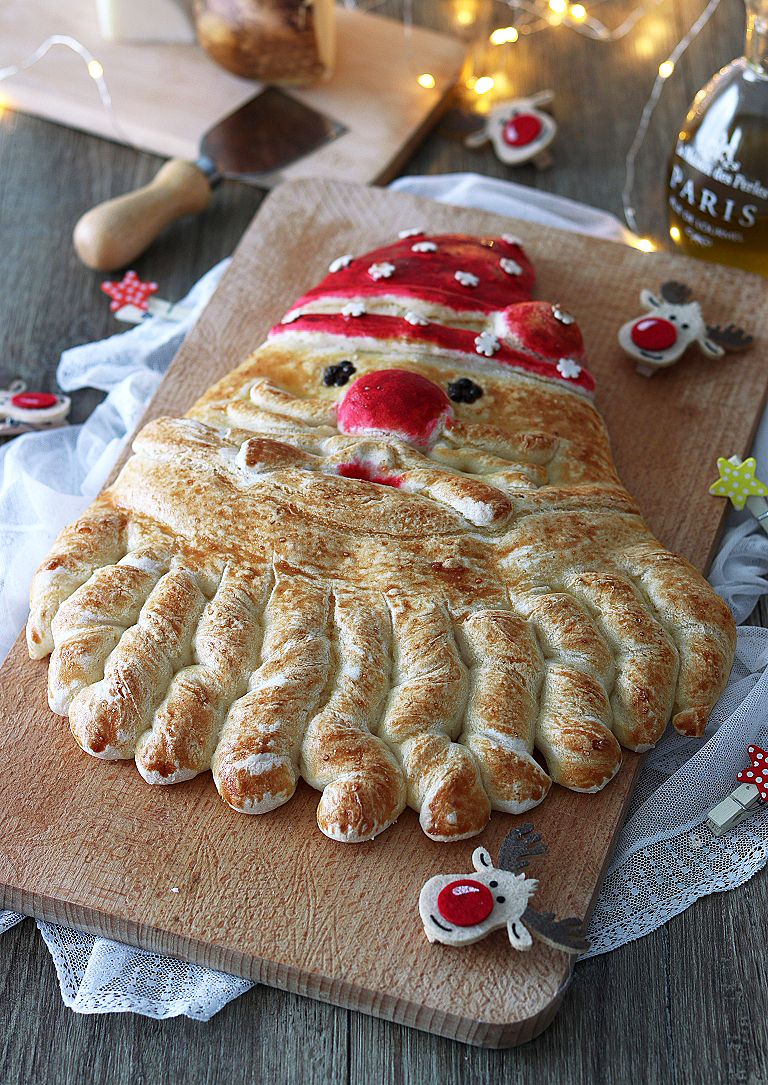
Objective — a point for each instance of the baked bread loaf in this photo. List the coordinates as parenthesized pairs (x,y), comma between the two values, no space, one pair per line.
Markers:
(285,42)
(388,554)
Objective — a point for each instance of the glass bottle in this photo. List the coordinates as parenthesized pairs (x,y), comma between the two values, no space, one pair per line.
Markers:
(718,176)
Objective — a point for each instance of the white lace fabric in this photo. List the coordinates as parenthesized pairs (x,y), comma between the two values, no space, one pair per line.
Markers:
(100,976)
(665,857)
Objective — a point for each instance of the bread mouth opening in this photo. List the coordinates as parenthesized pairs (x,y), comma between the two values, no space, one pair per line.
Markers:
(367,472)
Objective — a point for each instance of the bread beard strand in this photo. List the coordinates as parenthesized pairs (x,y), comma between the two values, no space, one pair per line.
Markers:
(329,569)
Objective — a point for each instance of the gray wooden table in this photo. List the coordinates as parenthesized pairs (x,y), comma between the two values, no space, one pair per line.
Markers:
(686,1004)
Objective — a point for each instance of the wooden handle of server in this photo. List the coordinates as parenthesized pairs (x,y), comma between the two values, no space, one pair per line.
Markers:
(113,234)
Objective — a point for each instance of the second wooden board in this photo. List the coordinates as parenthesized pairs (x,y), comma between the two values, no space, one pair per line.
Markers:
(165,97)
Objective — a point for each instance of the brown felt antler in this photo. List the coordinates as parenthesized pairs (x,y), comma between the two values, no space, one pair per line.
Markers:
(675,293)
(566,934)
(516,850)
(730,338)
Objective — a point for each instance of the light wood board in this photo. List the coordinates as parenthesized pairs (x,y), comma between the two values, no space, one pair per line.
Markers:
(165,97)
(88,844)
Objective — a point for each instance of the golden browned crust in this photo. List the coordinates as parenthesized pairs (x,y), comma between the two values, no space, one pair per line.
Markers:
(268,596)
(272,41)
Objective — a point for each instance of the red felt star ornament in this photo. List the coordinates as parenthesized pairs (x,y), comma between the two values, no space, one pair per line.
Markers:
(130,291)
(757,773)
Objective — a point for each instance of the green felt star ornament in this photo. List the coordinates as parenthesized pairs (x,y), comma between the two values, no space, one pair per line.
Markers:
(737,481)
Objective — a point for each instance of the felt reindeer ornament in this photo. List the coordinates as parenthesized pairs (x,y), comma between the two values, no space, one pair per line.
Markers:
(519,131)
(459,910)
(659,339)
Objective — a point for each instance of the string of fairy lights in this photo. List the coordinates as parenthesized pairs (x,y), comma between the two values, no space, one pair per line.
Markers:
(529,17)
(94,68)
(665,70)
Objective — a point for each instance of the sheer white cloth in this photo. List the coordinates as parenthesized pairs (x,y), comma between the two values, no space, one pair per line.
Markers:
(664,860)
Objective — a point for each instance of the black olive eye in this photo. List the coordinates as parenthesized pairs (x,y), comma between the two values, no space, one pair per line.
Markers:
(338,374)
(464,391)
(685,326)
(501,899)
(493,884)
(672,316)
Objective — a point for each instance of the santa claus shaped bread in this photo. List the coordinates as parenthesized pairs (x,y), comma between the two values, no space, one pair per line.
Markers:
(388,554)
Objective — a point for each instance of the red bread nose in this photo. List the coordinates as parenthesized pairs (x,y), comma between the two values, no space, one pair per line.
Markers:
(396,403)
(653,333)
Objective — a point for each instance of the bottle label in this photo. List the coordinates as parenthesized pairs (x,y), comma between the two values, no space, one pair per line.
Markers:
(722,209)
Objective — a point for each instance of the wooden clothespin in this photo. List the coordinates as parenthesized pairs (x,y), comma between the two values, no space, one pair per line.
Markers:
(132,301)
(751,793)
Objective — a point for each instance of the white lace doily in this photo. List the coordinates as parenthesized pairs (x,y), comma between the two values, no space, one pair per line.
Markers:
(665,857)
(99,976)
(664,860)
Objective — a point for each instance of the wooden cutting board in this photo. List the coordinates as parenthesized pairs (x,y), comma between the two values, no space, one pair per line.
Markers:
(88,844)
(165,97)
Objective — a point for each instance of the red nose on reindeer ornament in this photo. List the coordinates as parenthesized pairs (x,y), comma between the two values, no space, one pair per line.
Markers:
(673,322)
(22,411)
(459,910)
(519,131)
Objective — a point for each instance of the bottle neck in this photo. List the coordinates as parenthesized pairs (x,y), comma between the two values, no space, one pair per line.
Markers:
(756,41)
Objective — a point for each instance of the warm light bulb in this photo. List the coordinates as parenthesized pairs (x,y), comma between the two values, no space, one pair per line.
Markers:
(464,17)
(674,233)
(558,6)
(427,80)
(503,35)
(644,244)
(666,69)
(483,85)
(95,69)
(645,46)
(578,12)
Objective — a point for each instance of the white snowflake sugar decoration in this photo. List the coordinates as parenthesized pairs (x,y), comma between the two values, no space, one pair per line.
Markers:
(567,368)
(511,239)
(290,317)
(341,262)
(466,278)
(561,315)
(381,271)
(510,266)
(416,231)
(424,246)
(487,344)
(353,308)
(415,318)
